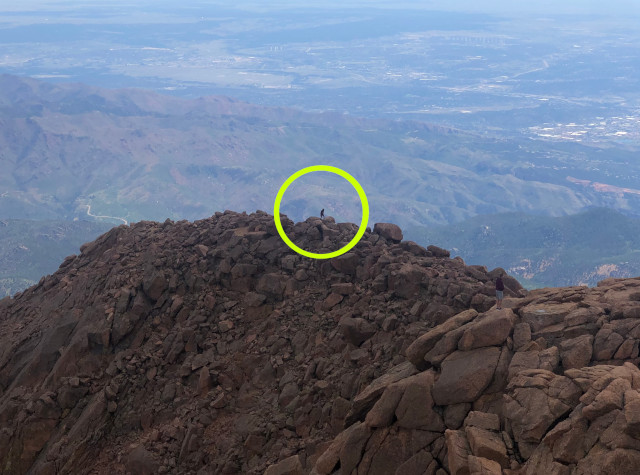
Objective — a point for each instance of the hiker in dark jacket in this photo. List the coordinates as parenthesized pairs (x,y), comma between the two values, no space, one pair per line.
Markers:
(322,213)
(499,291)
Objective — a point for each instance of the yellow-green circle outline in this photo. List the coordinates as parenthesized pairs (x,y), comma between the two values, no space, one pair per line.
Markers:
(346,176)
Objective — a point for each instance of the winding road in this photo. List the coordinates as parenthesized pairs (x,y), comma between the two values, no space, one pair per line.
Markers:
(108,217)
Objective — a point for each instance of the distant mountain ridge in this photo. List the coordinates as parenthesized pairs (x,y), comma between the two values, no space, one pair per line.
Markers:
(133,154)
(543,251)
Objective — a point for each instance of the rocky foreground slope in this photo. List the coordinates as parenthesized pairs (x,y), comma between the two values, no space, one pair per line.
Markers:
(211,347)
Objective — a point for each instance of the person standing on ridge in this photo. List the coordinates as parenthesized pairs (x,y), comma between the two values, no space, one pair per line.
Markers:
(499,291)
(322,213)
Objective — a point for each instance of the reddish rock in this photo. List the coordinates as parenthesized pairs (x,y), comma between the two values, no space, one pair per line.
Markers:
(487,444)
(483,420)
(383,412)
(607,342)
(415,408)
(369,395)
(465,374)
(155,285)
(458,452)
(420,464)
(388,231)
(272,285)
(539,316)
(346,264)
(406,281)
(344,288)
(632,413)
(204,381)
(491,329)
(576,352)
(331,301)
(289,466)
(346,450)
(521,335)
(454,414)
(237,352)
(425,343)
(438,251)
(483,466)
(140,461)
(535,400)
(523,360)
(356,330)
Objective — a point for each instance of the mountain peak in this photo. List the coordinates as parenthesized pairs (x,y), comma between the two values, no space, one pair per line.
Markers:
(212,347)
(210,321)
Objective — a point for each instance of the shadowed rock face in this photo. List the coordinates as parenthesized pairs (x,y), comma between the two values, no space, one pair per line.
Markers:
(211,346)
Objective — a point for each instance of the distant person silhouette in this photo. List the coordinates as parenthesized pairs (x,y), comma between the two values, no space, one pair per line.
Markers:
(499,291)
(322,213)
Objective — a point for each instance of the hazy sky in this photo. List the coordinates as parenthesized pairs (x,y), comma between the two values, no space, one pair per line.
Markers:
(609,8)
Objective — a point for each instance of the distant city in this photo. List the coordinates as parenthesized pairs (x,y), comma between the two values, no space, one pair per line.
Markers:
(613,129)
(553,77)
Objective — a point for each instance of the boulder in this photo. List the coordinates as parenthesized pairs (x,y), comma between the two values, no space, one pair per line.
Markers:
(272,285)
(523,360)
(421,463)
(454,414)
(632,413)
(289,466)
(356,330)
(447,345)
(521,335)
(539,316)
(155,285)
(386,450)
(487,444)
(406,281)
(438,251)
(346,264)
(465,374)
(483,466)
(535,399)
(483,420)
(383,411)
(609,399)
(614,462)
(140,461)
(576,352)
(458,452)
(369,395)
(331,301)
(489,329)
(346,450)
(425,343)
(606,343)
(388,231)
(415,409)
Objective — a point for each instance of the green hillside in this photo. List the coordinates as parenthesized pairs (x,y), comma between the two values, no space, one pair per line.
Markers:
(31,249)
(73,151)
(541,251)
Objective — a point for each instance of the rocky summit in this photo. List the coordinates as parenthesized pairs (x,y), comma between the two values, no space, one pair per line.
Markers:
(211,347)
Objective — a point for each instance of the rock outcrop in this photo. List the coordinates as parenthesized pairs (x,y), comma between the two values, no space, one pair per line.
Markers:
(550,384)
(211,347)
